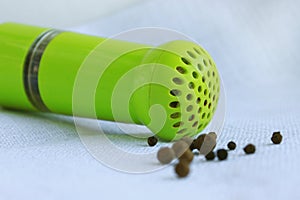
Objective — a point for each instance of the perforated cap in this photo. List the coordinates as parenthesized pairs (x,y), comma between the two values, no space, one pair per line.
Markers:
(186,85)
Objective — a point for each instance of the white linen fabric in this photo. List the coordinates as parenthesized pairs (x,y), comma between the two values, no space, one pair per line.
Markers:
(255,45)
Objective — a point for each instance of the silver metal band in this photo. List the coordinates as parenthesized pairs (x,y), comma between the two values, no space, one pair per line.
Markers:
(31,68)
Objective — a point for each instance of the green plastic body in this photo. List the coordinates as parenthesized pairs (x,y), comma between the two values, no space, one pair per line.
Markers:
(141,89)
(58,69)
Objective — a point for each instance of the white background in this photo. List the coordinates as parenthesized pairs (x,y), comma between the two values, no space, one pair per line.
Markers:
(58,13)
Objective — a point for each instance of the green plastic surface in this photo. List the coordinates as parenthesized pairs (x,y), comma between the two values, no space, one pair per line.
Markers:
(15,42)
(178,98)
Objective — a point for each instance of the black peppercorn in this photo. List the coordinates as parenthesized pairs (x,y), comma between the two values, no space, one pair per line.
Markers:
(192,146)
(276,137)
(199,141)
(152,141)
(210,156)
(222,154)
(231,145)
(249,149)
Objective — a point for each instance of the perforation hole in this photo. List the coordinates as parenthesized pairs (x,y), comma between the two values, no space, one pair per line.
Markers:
(199,110)
(210,62)
(191,85)
(209,105)
(192,117)
(185,61)
(195,124)
(177,80)
(205,92)
(200,125)
(198,100)
(175,92)
(213,74)
(205,62)
(199,89)
(197,51)
(175,115)
(203,115)
(181,70)
(208,73)
(205,102)
(203,79)
(200,67)
(189,97)
(174,104)
(177,124)
(189,108)
(208,115)
(192,55)
(195,75)
(182,131)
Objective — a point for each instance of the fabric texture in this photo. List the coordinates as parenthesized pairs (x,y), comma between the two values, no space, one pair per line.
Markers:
(255,47)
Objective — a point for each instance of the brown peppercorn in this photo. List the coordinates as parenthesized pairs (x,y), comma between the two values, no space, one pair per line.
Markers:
(179,148)
(208,144)
(210,156)
(199,141)
(231,145)
(192,146)
(152,141)
(276,137)
(187,156)
(187,140)
(249,149)
(201,136)
(213,134)
(182,169)
(222,154)
(165,155)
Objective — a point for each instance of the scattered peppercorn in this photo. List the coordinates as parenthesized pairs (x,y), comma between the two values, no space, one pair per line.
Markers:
(276,137)
(165,155)
(231,145)
(182,169)
(187,140)
(210,156)
(222,154)
(249,149)
(213,134)
(188,156)
(199,141)
(192,146)
(205,143)
(179,148)
(208,144)
(152,141)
